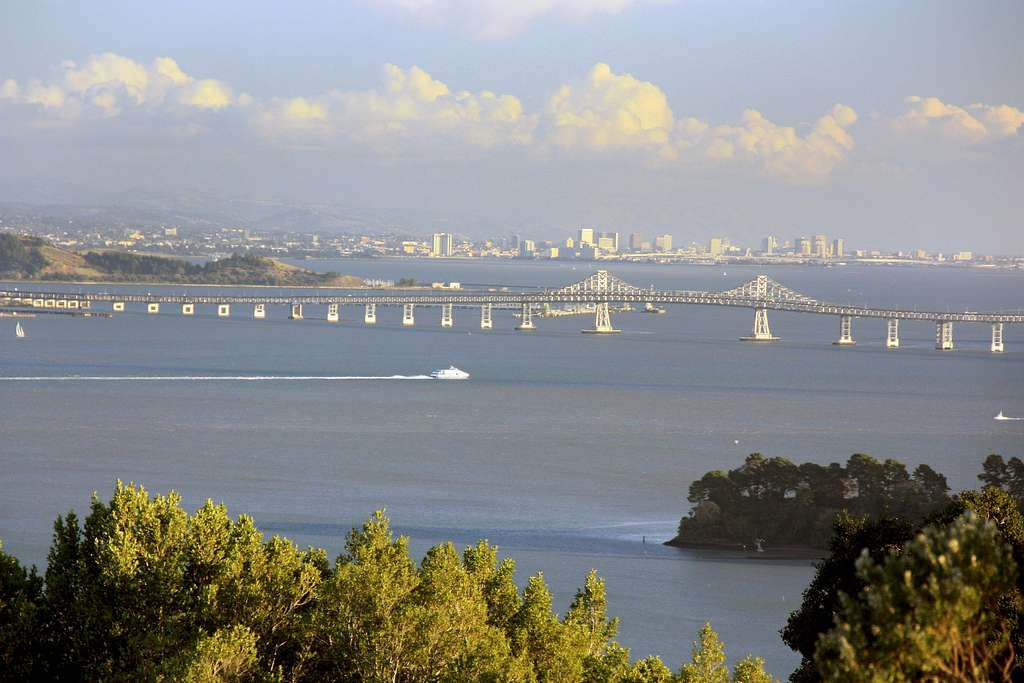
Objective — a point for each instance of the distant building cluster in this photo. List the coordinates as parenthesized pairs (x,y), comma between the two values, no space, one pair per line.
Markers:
(586,243)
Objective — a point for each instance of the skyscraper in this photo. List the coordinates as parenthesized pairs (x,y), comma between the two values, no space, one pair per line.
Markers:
(770,244)
(663,243)
(442,244)
(636,241)
(715,246)
(820,246)
(585,237)
(608,241)
(838,247)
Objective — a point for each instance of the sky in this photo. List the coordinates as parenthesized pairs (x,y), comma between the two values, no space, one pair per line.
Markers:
(894,125)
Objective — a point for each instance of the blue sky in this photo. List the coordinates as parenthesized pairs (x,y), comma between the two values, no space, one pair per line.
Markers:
(891,124)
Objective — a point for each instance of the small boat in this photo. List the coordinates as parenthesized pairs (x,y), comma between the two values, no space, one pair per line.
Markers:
(19,331)
(451,372)
(1000,416)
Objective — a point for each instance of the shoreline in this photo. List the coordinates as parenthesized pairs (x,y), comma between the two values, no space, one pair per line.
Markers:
(162,283)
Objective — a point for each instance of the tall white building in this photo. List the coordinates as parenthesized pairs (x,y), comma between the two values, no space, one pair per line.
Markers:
(585,237)
(663,243)
(442,244)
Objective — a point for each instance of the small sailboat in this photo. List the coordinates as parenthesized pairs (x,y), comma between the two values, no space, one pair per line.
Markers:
(1000,416)
(19,331)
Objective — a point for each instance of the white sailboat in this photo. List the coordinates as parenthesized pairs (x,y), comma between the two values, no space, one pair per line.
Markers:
(19,331)
(1000,416)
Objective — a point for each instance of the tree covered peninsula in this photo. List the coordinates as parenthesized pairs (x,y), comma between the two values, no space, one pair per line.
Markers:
(32,258)
(779,504)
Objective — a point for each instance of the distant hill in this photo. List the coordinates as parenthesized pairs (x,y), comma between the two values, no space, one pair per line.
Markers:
(31,258)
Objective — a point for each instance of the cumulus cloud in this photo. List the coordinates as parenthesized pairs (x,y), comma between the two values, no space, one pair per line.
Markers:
(609,111)
(973,124)
(409,106)
(498,19)
(106,84)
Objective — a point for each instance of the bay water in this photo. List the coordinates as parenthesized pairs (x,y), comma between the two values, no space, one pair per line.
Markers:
(568,451)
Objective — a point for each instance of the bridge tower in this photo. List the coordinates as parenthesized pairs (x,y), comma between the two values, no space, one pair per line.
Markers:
(485,317)
(602,321)
(845,331)
(296,312)
(407,316)
(370,317)
(223,310)
(997,337)
(762,332)
(892,338)
(944,335)
(526,321)
(259,311)
(447,319)
(332,313)
(188,309)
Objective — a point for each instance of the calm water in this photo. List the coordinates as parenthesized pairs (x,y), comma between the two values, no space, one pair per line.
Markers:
(563,449)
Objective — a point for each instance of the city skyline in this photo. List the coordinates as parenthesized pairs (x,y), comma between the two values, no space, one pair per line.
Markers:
(648,116)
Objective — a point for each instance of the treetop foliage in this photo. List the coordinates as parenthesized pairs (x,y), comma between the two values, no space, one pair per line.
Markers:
(144,591)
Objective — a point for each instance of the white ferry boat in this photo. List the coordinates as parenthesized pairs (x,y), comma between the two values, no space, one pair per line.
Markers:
(451,372)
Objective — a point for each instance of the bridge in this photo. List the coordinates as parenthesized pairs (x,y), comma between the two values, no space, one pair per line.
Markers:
(761,294)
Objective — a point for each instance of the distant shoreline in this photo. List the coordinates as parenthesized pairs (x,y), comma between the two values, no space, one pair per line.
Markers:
(199,284)
(785,552)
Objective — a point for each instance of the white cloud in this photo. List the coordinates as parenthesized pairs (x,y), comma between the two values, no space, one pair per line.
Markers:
(409,107)
(106,84)
(974,124)
(608,112)
(498,19)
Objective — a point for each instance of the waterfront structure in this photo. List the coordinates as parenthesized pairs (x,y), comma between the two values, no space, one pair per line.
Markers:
(716,246)
(663,243)
(760,294)
(838,249)
(585,238)
(608,241)
(636,242)
(527,248)
(770,244)
(821,246)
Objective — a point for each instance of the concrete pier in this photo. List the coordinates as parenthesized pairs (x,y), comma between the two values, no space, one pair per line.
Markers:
(370,317)
(408,316)
(944,336)
(223,310)
(152,309)
(188,309)
(602,321)
(118,306)
(845,332)
(997,337)
(892,337)
(296,313)
(332,313)
(762,332)
(259,311)
(526,320)
(485,317)
(447,319)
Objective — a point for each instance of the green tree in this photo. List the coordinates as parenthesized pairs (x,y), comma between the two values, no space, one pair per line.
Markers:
(20,595)
(924,613)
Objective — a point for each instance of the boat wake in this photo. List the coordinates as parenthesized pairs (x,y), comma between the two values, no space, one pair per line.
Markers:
(206,378)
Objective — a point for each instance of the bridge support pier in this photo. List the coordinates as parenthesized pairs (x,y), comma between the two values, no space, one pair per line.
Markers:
(762,332)
(259,312)
(485,317)
(332,313)
(188,309)
(997,337)
(72,303)
(944,336)
(152,308)
(408,319)
(602,321)
(446,315)
(845,331)
(526,321)
(223,310)
(370,317)
(892,337)
(296,312)
(118,306)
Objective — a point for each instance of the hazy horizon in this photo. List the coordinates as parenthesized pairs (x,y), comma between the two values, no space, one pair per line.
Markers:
(892,126)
